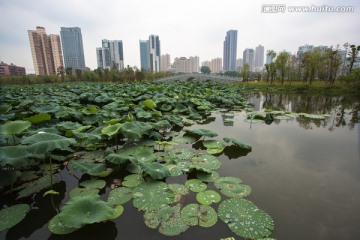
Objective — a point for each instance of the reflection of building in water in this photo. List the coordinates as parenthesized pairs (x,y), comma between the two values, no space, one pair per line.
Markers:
(271,101)
(228,119)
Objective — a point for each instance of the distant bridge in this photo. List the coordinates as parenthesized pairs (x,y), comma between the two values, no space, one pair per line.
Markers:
(199,77)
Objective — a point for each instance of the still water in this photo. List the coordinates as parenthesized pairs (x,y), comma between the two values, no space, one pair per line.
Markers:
(304,173)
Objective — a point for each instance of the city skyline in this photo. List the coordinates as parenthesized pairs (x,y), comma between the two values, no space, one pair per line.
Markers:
(179,37)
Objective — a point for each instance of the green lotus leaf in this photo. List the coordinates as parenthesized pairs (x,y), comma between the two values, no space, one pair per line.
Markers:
(144,114)
(232,187)
(16,156)
(178,168)
(93,183)
(14,127)
(206,163)
(28,176)
(132,180)
(119,196)
(82,210)
(245,219)
(237,143)
(179,191)
(56,226)
(4,108)
(133,130)
(194,214)
(184,139)
(12,215)
(168,219)
(150,196)
(208,197)
(36,186)
(155,170)
(203,132)
(43,143)
(117,158)
(112,129)
(39,118)
(181,153)
(163,124)
(196,185)
(134,168)
(47,109)
(166,107)
(117,211)
(51,192)
(180,108)
(93,169)
(150,104)
(78,192)
(68,125)
(90,110)
(207,177)
(213,146)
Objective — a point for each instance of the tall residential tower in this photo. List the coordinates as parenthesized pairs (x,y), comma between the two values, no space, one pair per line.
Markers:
(144,54)
(154,53)
(45,51)
(110,54)
(72,45)
(230,49)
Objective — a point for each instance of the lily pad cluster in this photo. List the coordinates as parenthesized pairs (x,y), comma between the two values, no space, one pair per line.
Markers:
(127,134)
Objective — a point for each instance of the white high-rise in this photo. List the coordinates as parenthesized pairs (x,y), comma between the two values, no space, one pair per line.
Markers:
(165,63)
(154,53)
(259,58)
(110,54)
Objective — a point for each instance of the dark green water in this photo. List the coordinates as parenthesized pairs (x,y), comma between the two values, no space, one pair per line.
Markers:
(304,173)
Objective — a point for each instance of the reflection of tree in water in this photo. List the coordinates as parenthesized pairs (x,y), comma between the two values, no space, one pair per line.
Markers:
(344,110)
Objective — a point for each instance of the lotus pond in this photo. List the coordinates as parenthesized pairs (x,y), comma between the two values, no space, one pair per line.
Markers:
(194,160)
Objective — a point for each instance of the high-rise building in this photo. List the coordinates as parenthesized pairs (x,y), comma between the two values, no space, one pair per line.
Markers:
(144,54)
(215,65)
(249,58)
(11,70)
(154,53)
(45,51)
(72,45)
(239,64)
(181,65)
(303,49)
(230,49)
(259,58)
(194,63)
(110,54)
(165,63)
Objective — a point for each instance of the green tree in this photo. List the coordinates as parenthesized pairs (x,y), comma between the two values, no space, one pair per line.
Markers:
(281,62)
(310,63)
(271,66)
(354,51)
(231,73)
(61,73)
(245,72)
(205,70)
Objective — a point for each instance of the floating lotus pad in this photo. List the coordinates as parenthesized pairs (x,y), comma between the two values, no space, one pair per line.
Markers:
(213,146)
(245,219)
(208,197)
(93,169)
(196,185)
(56,226)
(117,211)
(36,186)
(155,170)
(119,195)
(203,132)
(237,143)
(207,177)
(179,191)
(16,156)
(14,127)
(12,215)
(184,139)
(206,163)
(254,121)
(39,118)
(132,180)
(150,196)
(93,183)
(150,104)
(194,214)
(111,130)
(77,192)
(181,153)
(232,187)
(168,219)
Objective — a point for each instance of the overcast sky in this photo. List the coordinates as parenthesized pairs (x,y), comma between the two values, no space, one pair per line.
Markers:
(185,27)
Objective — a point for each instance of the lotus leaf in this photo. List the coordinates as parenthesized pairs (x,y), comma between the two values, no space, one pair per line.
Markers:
(184,139)
(150,104)
(93,183)
(166,107)
(207,177)
(232,187)
(179,191)
(39,118)
(155,170)
(181,153)
(206,163)
(213,146)
(119,195)
(282,117)
(28,176)
(180,108)
(163,124)
(82,210)
(150,196)
(77,192)
(169,220)
(117,158)
(43,143)
(51,192)
(133,130)
(47,109)
(144,114)
(16,156)
(68,125)
(203,132)
(93,169)
(237,143)
(132,180)
(14,127)
(208,197)
(117,211)
(34,187)
(111,130)
(134,168)
(245,219)
(90,110)
(4,108)
(194,214)
(56,226)
(12,215)
(196,185)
